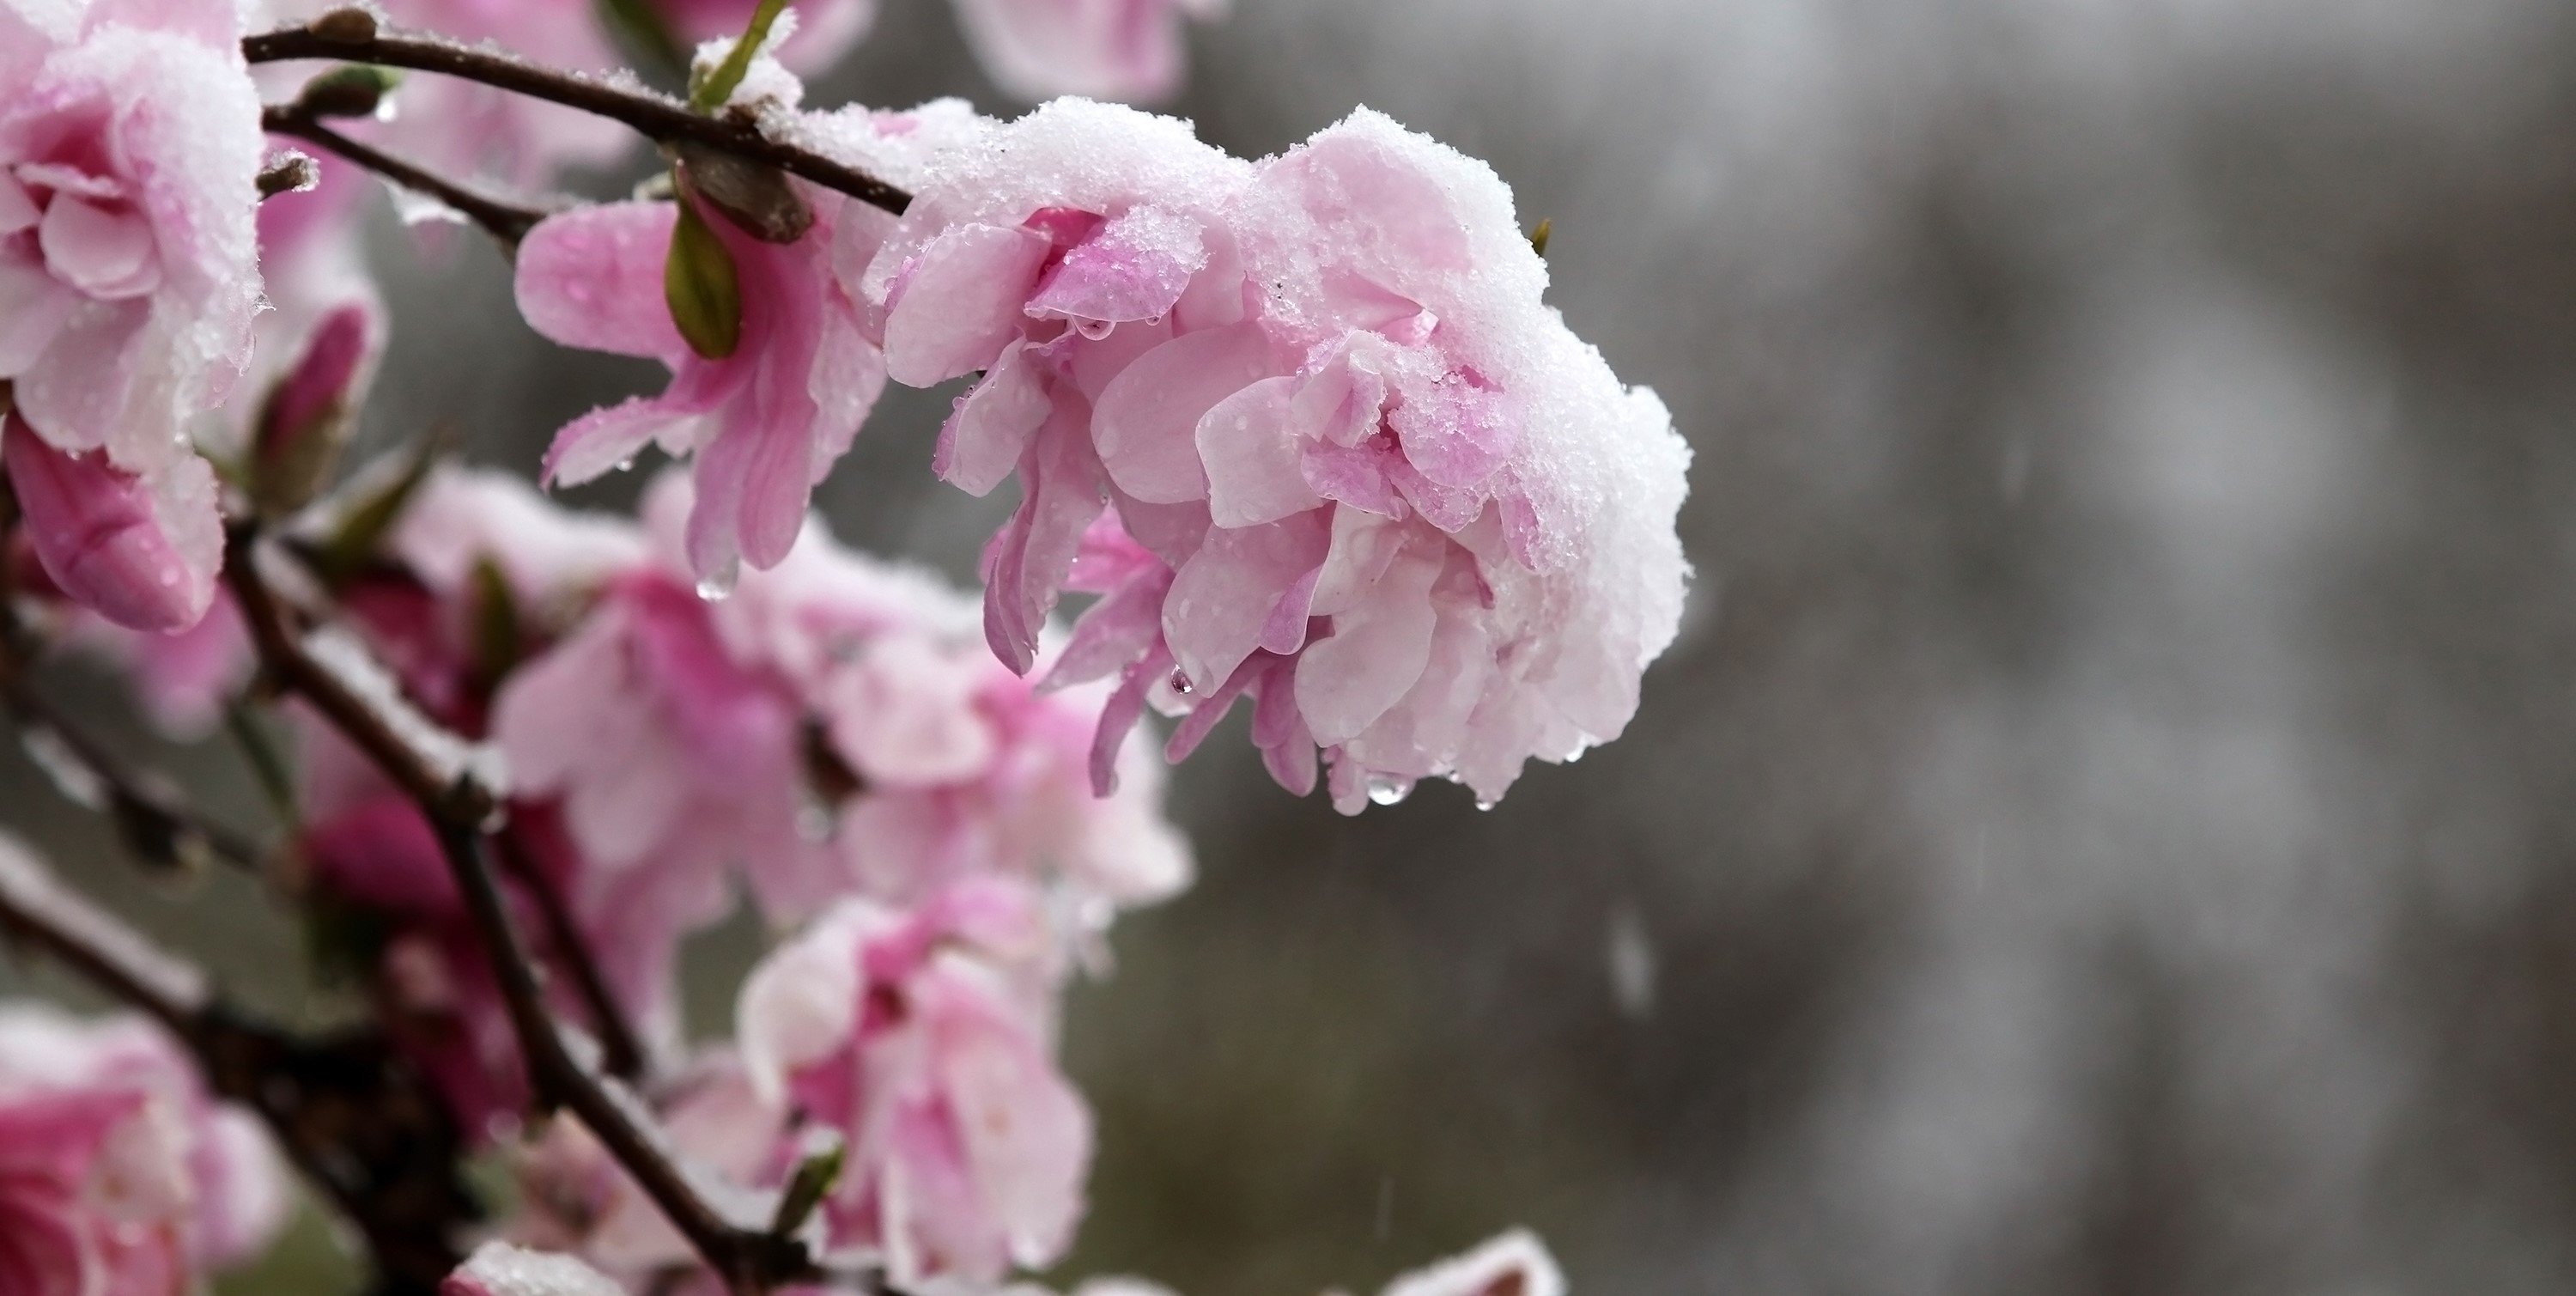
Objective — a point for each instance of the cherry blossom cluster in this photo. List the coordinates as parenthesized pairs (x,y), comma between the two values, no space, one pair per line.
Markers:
(1304,430)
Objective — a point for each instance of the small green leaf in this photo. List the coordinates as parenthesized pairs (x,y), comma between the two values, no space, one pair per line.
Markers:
(814,1180)
(718,86)
(1539,236)
(701,286)
(645,27)
(498,642)
(350,90)
(351,547)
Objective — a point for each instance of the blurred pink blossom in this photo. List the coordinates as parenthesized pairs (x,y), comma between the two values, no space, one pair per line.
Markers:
(922,1036)
(118,1174)
(1130,50)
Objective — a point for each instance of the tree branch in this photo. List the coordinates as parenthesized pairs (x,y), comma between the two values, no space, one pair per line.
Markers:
(349,35)
(507,222)
(155,820)
(621,1049)
(749,1258)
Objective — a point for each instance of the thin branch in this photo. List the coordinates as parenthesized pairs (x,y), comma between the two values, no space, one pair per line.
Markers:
(621,1049)
(155,819)
(37,910)
(749,1259)
(348,36)
(505,221)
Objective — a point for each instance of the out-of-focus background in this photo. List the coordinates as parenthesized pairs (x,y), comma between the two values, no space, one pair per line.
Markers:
(2109,825)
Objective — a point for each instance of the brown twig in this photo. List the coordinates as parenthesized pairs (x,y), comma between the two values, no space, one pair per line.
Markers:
(621,1048)
(355,1120)
(347,36)
(155,820)
(508,222)
(750,1259)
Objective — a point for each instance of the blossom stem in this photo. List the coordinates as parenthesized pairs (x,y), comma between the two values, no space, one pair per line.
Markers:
(621,1049)
(751,1260)
(507,222)
(658,118)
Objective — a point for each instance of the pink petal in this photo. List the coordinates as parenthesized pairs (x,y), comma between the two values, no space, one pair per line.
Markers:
(962,303)
(1133,269)
(108,255)
(18,208)
(91,388)
(609,438)
(142,552)
(1376,653)
(1118,718)
(1457,434)
(1255,461)
(592,278)
(905,715)
(1114,632)
(982,442)
(33,308)
(1065,489)
(1147,422)
(1223,598)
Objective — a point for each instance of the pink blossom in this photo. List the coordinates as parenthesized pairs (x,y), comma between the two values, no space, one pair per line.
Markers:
(141,550)
(1352,467)
(129,149)
(961,768)
(764,424)
(1099,49)
(500,1269)
(117,1172)
(921,1037)
(129,146)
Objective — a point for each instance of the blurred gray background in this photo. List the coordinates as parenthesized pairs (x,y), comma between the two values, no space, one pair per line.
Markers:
(2107,825)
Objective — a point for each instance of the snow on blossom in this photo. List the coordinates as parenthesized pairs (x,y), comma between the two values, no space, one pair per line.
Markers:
(500,1269)
(118,1173)
(1130,50)
(129,152)
(922,1037)
(1514,1264)
(1309,429)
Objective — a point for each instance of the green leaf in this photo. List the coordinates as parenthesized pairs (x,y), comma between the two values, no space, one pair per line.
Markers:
(498,642)
(718,86)
(641,22)
(351,547)
(701,286)
(814,1180)
(1539,236)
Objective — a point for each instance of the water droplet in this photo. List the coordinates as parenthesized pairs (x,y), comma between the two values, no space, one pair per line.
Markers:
(1181,681)
(626,464)
(1386,790)
(717,586)
(1485,803)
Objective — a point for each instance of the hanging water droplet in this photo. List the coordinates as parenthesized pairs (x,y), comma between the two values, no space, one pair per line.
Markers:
(1181,681)
(1387,790)
(626,464)
(1487,803)
(717,586)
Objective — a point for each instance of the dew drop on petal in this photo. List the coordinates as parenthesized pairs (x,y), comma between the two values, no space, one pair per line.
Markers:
(717,586)
(1181,682)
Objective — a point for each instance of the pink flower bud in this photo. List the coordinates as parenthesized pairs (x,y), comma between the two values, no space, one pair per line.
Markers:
(306,420)
(141,551)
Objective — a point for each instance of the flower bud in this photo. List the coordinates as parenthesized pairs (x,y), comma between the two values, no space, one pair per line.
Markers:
(306,421)
(141,551)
